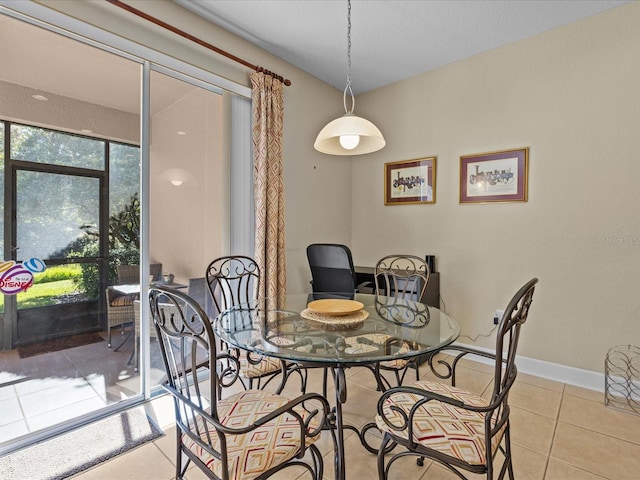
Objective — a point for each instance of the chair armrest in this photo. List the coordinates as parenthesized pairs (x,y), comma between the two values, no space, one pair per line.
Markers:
(403,417)
(425,394)
(287,408)
(229,370)
(450,364)
(111,294)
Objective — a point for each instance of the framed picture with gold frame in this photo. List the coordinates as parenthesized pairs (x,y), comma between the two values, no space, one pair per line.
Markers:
(494,177)
(410,181)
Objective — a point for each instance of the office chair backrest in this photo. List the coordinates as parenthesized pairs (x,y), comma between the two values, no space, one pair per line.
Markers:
(198,290)
(155,270)
(331,268)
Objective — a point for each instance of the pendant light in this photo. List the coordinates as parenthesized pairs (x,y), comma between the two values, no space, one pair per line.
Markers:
(349,134)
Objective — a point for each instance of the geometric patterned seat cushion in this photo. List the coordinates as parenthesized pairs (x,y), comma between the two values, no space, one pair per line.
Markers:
(264,366)
(375,341)
(398,363)
(252,453)
(439,426)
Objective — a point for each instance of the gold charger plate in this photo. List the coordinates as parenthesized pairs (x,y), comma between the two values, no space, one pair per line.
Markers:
(335,306)
(336,322)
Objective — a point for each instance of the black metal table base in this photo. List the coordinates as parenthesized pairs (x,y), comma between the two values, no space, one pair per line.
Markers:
(337,426)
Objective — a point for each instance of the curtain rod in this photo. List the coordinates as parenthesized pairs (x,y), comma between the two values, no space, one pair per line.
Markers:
(188,36)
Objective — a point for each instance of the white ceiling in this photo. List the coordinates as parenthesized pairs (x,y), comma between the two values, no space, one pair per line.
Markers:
(50,63)
(391,40)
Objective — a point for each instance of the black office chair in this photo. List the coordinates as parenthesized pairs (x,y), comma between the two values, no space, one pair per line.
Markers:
(332,269)
(333,275)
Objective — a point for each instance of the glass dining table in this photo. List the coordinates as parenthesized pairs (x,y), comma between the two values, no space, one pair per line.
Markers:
(313,330)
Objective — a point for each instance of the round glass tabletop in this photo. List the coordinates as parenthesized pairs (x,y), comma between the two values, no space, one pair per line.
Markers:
(303,328)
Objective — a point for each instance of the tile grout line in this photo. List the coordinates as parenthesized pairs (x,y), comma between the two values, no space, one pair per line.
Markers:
(553,434)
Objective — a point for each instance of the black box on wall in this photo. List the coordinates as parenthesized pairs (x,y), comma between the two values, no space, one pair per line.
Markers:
(431,261)
(431,295)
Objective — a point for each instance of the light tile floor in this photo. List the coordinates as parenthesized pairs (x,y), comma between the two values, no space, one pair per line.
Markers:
(559,432)
(44,390)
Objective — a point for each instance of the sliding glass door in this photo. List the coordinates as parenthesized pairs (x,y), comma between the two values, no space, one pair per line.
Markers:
(70,121)
(107,160)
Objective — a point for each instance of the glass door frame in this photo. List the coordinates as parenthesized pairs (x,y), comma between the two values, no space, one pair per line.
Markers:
(12,168)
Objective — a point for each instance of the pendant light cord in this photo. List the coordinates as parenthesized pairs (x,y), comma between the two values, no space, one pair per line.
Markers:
(348,87)
(349,134)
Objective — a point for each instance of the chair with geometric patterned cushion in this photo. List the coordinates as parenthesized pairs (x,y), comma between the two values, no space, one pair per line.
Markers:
(247,435)
(403,277)
(232,281)
(459,430)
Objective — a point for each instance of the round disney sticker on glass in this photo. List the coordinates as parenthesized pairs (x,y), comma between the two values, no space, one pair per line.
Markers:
(18,277)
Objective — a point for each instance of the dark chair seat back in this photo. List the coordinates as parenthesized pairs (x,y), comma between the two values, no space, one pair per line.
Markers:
(332,268)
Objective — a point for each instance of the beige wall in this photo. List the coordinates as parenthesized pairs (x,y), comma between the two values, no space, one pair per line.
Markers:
(186,220)
(572,96)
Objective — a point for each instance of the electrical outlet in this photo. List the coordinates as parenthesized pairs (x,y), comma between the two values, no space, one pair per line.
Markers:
(497,316)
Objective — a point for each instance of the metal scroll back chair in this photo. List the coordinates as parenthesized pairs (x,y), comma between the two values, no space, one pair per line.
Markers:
(232,281)
(458,429)
(403,277)
(230,438)
(332,269)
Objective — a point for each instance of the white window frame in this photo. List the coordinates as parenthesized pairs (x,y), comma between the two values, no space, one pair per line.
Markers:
(241,170)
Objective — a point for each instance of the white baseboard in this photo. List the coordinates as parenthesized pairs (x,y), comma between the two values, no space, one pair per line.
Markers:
(552,371)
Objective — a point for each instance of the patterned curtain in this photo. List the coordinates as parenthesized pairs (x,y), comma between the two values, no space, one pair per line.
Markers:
(268,111)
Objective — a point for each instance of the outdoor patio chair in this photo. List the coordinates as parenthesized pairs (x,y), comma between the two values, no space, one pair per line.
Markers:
(128,274)
(120,310)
